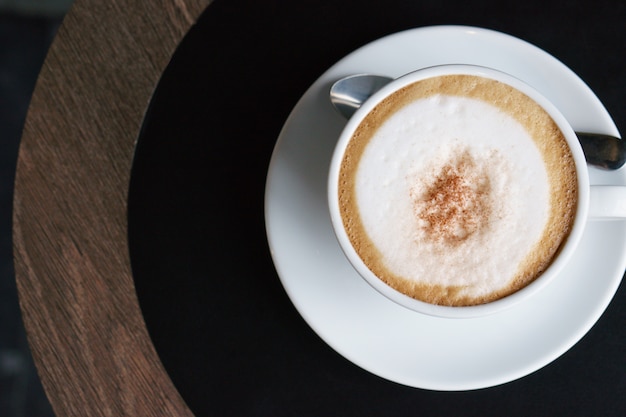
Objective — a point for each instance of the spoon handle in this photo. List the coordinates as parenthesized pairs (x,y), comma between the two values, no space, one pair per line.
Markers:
(603,151)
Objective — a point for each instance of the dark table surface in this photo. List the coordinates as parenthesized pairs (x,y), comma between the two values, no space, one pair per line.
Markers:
(213,304)
(222,324)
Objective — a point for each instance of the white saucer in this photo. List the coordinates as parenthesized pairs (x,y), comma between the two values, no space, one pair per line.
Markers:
(375,333)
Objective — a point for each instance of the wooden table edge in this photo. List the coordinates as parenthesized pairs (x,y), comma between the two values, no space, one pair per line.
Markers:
(77,296)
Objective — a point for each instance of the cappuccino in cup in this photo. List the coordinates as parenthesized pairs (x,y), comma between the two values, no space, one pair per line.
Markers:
(455,189)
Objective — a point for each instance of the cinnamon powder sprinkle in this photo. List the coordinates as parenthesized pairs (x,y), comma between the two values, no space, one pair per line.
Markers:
(453,203)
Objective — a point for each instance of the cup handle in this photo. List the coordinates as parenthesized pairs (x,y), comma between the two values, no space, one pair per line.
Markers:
(607,202)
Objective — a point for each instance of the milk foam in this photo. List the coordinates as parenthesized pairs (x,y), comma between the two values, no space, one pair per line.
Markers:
(490,155)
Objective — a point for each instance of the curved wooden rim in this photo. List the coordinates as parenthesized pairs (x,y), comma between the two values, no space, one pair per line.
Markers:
(77,296)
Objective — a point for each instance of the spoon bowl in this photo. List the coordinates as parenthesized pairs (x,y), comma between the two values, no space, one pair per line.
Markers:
(350,92)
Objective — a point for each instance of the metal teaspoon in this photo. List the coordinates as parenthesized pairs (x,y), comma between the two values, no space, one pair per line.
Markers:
(347,95)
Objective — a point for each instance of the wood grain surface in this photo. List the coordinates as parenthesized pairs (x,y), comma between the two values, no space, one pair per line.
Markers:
(76,290)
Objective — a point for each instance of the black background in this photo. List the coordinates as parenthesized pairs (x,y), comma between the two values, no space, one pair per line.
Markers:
(24,40)
(219,318)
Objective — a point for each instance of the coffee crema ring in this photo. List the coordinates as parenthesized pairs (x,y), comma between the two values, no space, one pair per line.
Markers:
(457,190)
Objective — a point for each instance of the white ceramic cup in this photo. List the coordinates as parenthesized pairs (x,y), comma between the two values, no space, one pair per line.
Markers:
(594,202)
